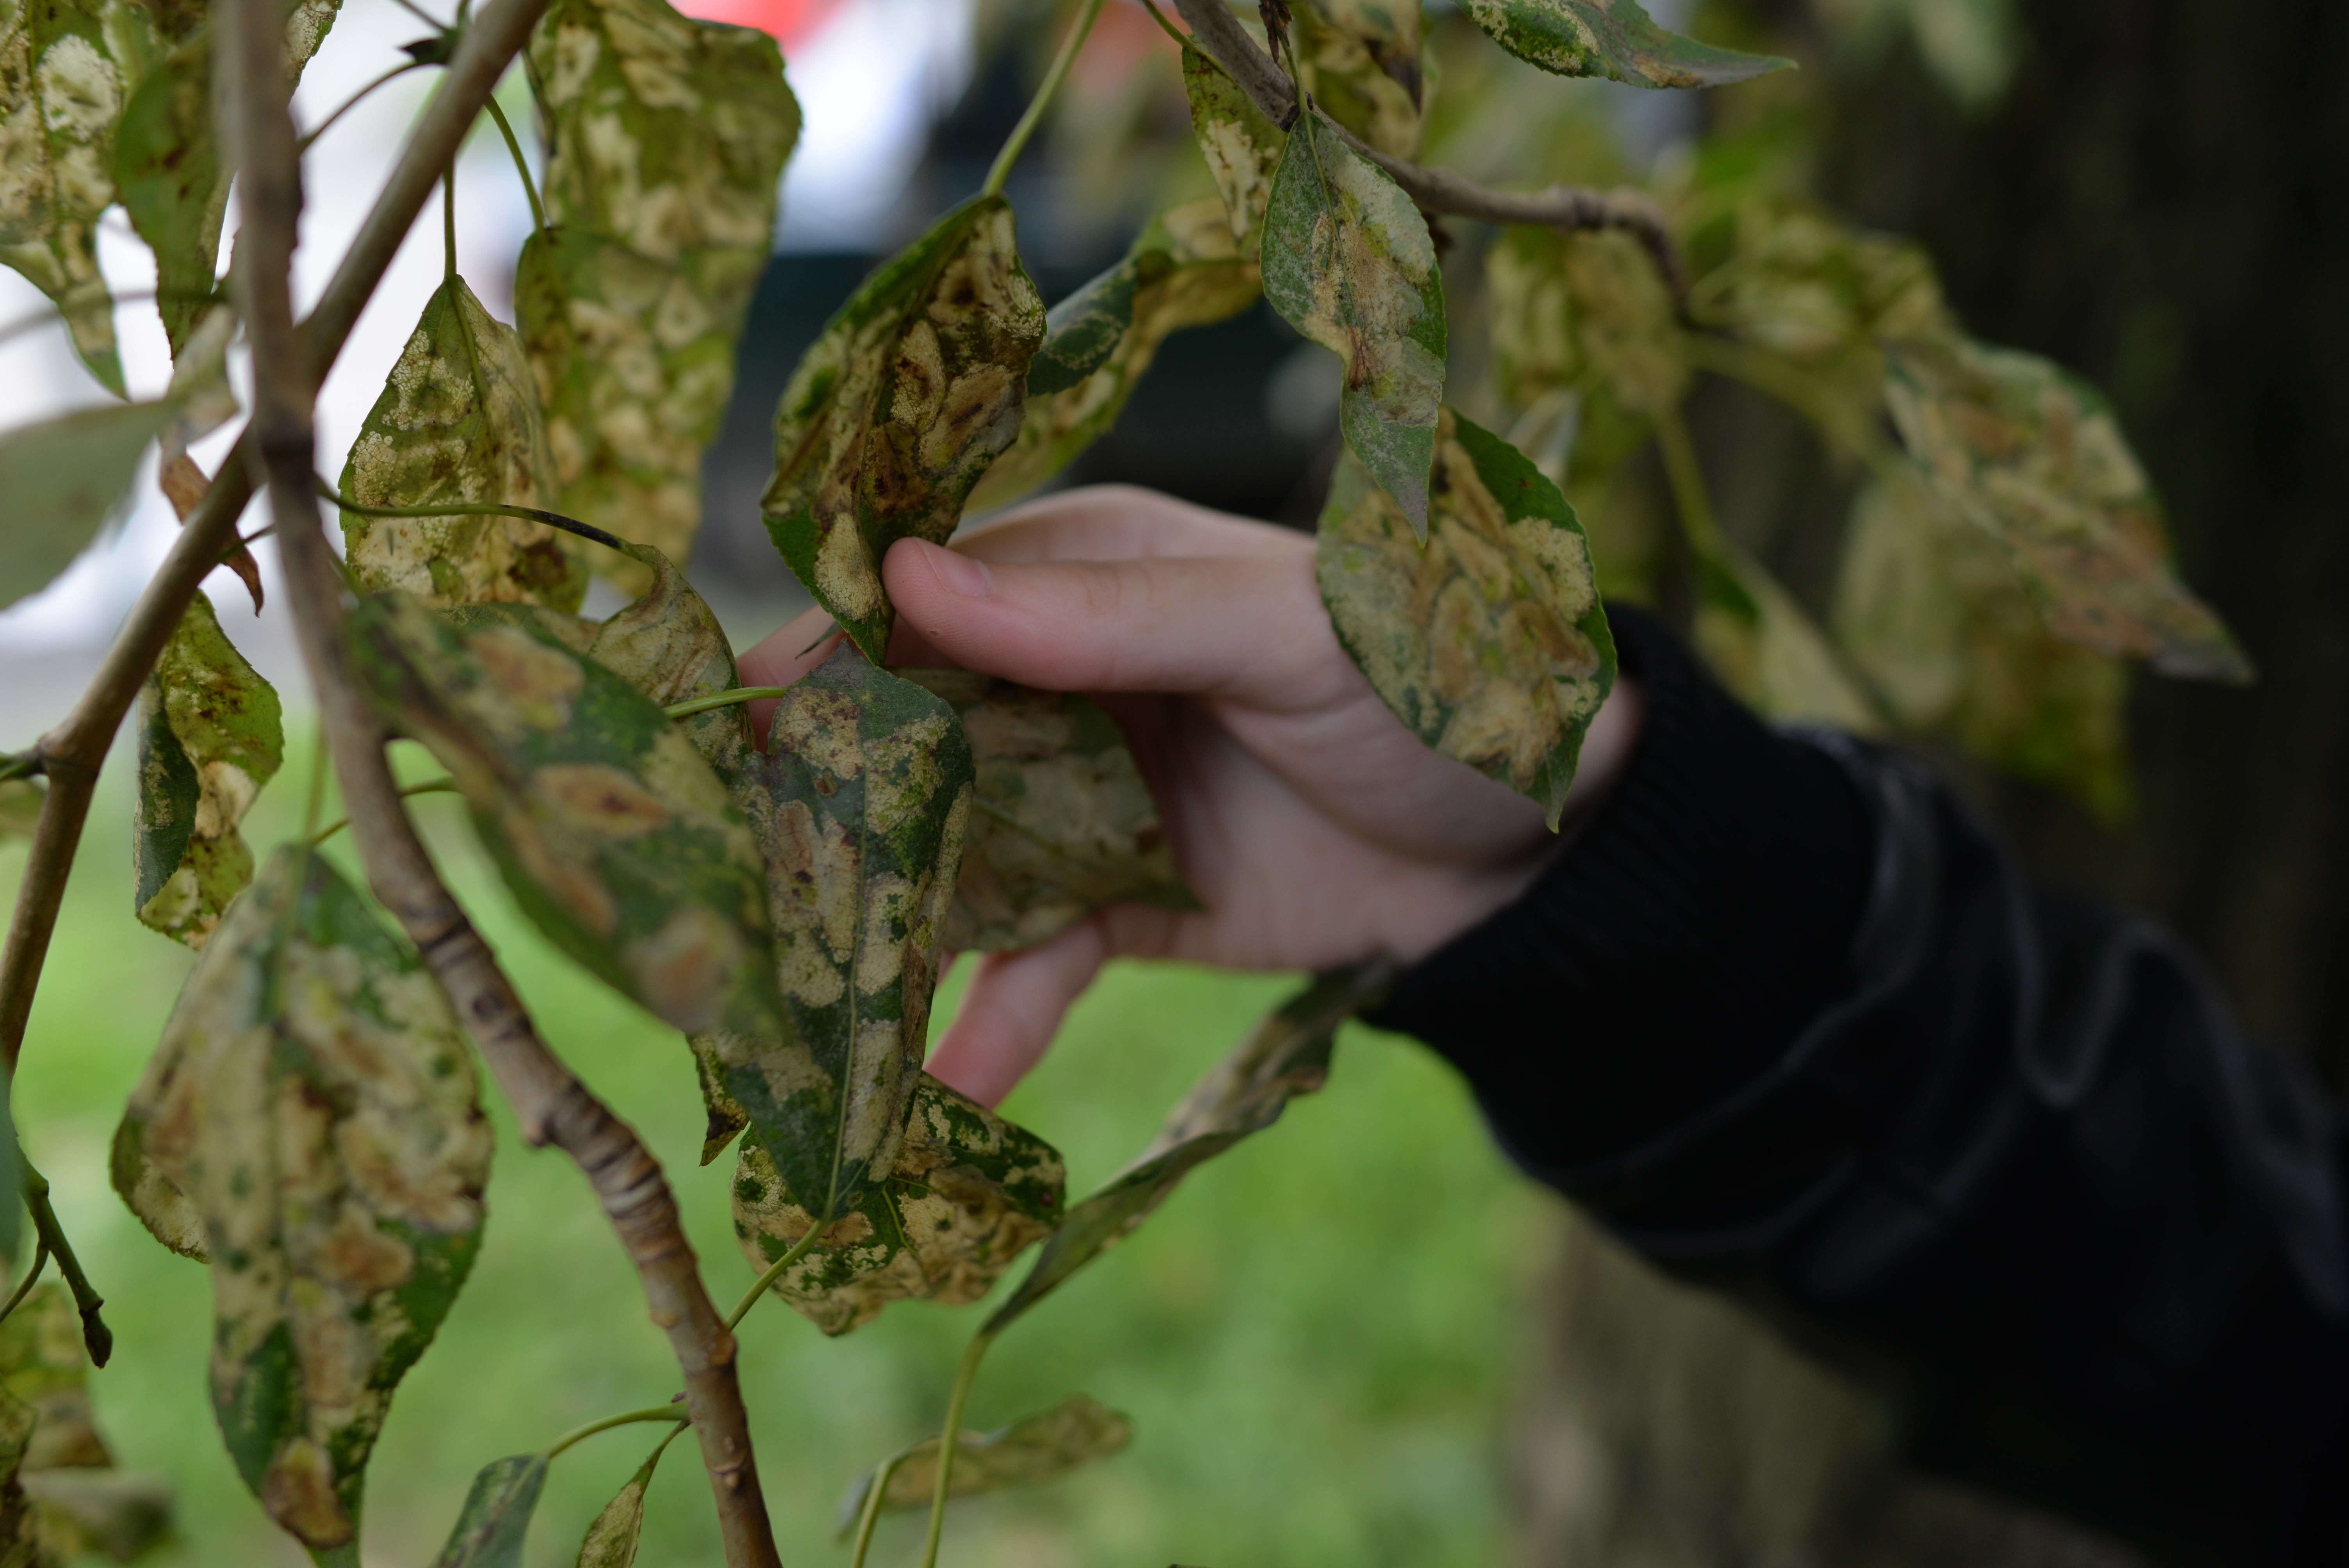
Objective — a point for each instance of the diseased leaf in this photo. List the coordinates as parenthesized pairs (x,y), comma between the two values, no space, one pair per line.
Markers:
(1611,39)
(20,806)
(612,1539)
(42,1363)
(2036,459)
(895,412)
(458,422)
(860,805)
(1031,1451)
(1348,262)
(1358,59)
(149,1193)
(315,1100)
(1286,1055)
(1932,613)
(1082,331)
(492,1525)
(1182,269)
(1585,311)
(669,646)
(60,482)
(635,361)
(84,1512)
(19,1523)
(1765,648)
(614,836)
(1489,642)
(1241,146)
(968,1192)
(1061,821)
(210,736)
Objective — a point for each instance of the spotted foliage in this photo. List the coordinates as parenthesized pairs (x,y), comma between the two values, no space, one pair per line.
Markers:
(494,1523)
(1241,146)
(1360,60)
(898,407)
(1612,38)
(1036,1448)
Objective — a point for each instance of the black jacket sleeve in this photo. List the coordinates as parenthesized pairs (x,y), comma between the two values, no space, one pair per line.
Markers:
(1788,1020)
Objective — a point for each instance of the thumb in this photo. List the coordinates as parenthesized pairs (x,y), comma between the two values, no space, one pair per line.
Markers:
(1013,1006)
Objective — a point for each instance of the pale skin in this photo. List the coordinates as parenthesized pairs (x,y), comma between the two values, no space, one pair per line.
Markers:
(1314,828)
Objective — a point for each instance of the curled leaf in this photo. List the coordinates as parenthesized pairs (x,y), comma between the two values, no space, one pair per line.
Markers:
(1932,616)
(898,407)
(1063,822)
(210,736)
(1348,262)
(614,836)
(612,1539)
(1488,642)
(1360,61)
(458,422)
(493,1526)
(60,482)
(968,1192)
(315,1100)
(860,805)
(1241,146)
(1286,1055)
(2036,459)
(1031,1451)
(1181,271)
(1611,39)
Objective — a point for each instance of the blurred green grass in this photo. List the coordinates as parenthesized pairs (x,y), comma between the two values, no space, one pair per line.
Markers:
(1315,1338)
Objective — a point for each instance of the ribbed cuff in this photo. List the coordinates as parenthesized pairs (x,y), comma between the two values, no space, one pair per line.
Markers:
(1675,949)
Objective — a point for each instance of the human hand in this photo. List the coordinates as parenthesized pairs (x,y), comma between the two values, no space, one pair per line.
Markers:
(1315,829)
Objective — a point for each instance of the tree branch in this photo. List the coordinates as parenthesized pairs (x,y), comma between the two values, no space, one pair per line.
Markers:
(1220,35)
(552,1105)
(72,753)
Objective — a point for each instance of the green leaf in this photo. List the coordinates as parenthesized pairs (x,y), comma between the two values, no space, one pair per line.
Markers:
(1033,1449)
(968,1192)
(20,806)
(1287,1054)
(457,421)
(42,1362)
(860,805)
(612,1539)
(1182,269)
(1082,331)
(494,1522)
(664,133)
(635,361)
(1241,146)
(1063,822)
(1765,646)
(314,1098)
(614,836)
(2036,457)
(60,480)
(1932,613)
(1348,262)
(1611,39)
(210,736)
(895,412)
(1488,642)
(1586,311)
(1360,61)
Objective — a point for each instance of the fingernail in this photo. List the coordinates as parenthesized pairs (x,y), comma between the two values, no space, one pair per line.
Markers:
(961,574)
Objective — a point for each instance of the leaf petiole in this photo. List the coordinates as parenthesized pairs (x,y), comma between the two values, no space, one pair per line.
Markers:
(871,1513)
(429,787)
(799,1250)
(478,509)
(25,1287)
(521,166)
(354,101)
(672,1411)
(96,1337)
(966,1374)
(1168,28)
(1018,141)
(723,699)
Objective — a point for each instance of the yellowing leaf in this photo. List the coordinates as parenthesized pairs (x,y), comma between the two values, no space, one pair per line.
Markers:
(1358,59)
(458,422)
(210,736)
(1288,1055)
(1611,39)
(1184,270)
(1063,822)
(635,361)
(1488,642)
(1348,262)
(122,1514)
(316,1102)
(613,833)
(1767,649)
(968,1192)
(2036,459)
(895,412)
(493,1526)
(1586,311)
(1241,146)
(1932,613)
(860,804)
(60,480)
(1031,1451)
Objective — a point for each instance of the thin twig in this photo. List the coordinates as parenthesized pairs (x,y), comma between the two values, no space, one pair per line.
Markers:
(96,1337)
(670,1412)
(25,1287)
(1220,35)
(71,753)
(552,1105)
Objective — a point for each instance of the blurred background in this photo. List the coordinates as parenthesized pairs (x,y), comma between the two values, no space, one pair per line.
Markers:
(1328,1339)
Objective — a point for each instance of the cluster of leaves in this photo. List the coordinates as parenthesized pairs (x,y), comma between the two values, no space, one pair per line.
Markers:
(309,1125)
